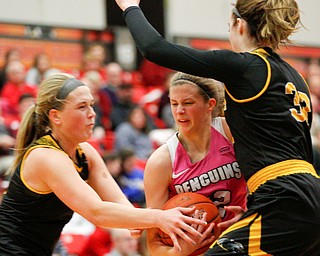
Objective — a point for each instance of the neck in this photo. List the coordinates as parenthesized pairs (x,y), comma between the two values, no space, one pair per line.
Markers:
(68,148)
(199,141)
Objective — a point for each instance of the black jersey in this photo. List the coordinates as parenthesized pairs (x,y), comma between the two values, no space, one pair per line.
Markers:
(268,102)
(30,221)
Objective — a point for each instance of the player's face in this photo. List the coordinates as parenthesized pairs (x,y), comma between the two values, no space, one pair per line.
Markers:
(78,116)
(189,108)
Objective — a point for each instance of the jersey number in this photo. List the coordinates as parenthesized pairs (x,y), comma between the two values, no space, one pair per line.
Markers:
(301,103)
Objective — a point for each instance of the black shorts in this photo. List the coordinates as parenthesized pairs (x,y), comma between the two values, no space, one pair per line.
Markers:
(283,218)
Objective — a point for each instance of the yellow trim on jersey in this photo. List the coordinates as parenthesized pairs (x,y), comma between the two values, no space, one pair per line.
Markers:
(253,223)
(263,55)
(22,167)
(279,169)
(254,243)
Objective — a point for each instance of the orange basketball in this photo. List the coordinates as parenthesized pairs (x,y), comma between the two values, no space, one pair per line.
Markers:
(201,203)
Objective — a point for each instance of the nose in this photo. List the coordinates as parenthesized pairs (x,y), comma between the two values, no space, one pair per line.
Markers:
(92,113)
(180,109)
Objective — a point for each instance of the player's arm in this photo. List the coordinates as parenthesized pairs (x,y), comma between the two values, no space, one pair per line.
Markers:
(58,175)
(157,177)
(100,178)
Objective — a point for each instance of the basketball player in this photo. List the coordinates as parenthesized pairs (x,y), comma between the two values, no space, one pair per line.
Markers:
(56,172)
(269,113)
(198,158)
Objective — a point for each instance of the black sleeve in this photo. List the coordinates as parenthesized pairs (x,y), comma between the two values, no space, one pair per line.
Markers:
(222,65)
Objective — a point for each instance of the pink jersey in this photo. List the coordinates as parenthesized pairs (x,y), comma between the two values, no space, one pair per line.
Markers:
(217,176)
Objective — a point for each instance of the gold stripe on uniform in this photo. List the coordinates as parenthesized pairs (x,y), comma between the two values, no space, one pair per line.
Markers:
(263,55)
(22,169)
(279,169)
(237,225)
(253,223)
(254,243)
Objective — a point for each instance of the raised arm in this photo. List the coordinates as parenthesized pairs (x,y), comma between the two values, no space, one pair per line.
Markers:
(154,47)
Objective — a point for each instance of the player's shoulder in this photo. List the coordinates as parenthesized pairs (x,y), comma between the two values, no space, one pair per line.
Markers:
(159,159)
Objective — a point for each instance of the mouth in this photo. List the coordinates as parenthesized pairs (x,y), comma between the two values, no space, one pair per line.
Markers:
(183,121)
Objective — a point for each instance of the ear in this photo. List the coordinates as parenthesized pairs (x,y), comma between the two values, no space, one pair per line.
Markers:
(242,25)
(54,116)
(212,104)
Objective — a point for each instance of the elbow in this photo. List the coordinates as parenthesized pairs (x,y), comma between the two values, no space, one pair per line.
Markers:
(96,218)
(152,50)
(147,52)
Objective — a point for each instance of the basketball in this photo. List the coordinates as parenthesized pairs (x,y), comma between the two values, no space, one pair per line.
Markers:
(202,204)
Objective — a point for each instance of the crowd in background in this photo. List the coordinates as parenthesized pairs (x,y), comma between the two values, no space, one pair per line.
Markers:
(133,119)
(126,113)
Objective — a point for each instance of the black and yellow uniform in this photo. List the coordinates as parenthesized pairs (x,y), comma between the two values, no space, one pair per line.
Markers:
(31,221)
(269,113)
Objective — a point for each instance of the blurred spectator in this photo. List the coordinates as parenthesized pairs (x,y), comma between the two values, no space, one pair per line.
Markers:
(75,234)
(113,163)
(131,178)
(114,74)
(14,88)
(102,105)
(123,243)
(122,106)
(6,155)
(26,100)
(41,69)
(99,243)
(11,55)
(6,151)
(164,108)
(153,74)
(133,134)
(314,86)
(60,250)
(78,225)
(98,51)
(93,61)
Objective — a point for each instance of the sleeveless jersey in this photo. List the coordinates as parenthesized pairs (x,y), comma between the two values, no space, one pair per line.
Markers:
(31,221)
(217,176)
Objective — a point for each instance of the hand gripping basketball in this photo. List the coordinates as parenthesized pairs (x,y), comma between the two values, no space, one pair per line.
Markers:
(202,204)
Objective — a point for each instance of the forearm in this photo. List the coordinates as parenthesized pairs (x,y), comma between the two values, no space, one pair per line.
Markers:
(114,215)
(156,49)
(142,31)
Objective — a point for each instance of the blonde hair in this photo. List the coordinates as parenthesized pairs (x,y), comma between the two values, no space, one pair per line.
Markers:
(35,122)
(208,88)
(271,22)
